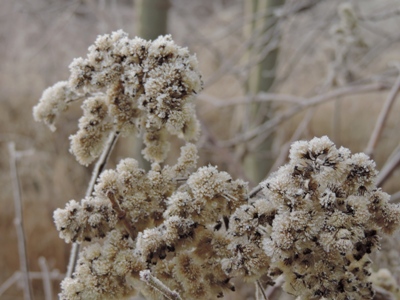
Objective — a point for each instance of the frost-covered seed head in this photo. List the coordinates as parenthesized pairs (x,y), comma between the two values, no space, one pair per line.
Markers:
(146,87)
(328,211)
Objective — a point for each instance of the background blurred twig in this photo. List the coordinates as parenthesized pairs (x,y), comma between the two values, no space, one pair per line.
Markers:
(17,276)
(380,123)
(388,168)
(265,128)
(18,222)
(47,286)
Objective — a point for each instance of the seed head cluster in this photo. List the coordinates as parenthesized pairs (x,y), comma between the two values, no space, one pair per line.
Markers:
(182,232)
(129,86)
(329,213)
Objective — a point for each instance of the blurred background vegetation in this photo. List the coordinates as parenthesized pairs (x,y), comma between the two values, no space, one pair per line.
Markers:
(274,71)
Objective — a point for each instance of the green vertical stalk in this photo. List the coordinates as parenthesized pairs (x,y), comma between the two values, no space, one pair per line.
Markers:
(261,78)
(152,17)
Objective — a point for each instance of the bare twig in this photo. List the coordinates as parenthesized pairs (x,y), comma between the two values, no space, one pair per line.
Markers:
(381,121)
(388,169)
(238,23)
(54,275)
(9,282)
(61,22)
(102,161)
(225,154)
(260,289)
(245,100)
(266,129)
(158,285)
(121,215)
(306,43)
(47,286)
(18,222)
(229,64)
(268,43)
(99,167)
(283,153)
(376,50)
(255,191)
(382,294)
(383,15)
(395,197)
(299,7)
(181,179)
(365,24)
(271,289)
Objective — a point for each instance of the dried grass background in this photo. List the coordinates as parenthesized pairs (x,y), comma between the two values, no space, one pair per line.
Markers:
(39,38)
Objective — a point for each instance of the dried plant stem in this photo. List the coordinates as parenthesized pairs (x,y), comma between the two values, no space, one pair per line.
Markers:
(283,153)
(395,197)
(255,191)
(246,100)
(336,121)
(229,64)
(225,155)
(53,275)
(383,294)
(121,215)
(380,123)
(260,290)
(102,161)
(304,46)
(158,285)
(9,282)
(183,179)
(388,169)
(48,292)
(271,289)
(99,167)
(18,221)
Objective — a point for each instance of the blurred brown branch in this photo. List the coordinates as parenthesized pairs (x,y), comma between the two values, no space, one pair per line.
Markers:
(265,129)
(245,100)
(381,121)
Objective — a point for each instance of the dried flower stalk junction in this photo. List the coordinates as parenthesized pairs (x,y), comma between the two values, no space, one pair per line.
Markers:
(177,232)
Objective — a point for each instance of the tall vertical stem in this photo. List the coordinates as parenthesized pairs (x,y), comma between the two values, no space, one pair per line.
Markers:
(18,221)
(47,285)
(152,17)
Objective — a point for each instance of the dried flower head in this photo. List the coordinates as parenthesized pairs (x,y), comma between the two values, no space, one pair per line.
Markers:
(54,100)
(329,213)
(133,86)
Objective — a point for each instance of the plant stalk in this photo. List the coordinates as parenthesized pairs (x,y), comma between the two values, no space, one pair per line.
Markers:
(99,167)
(18,222)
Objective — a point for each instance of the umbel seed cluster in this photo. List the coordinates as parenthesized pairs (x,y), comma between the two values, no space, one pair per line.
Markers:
(182,232)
